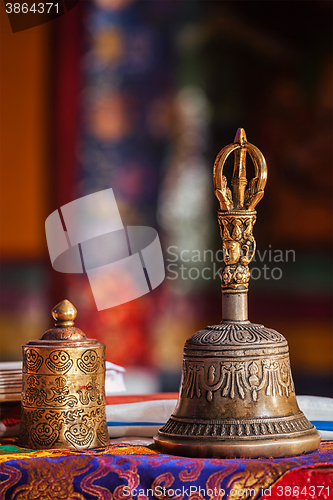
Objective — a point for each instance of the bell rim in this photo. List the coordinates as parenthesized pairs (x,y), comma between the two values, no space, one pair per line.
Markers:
(266,447)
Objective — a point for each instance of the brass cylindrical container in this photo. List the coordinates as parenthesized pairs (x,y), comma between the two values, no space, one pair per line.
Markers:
(63,396)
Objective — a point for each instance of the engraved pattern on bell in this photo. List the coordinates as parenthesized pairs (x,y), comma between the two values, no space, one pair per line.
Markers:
(237,379)
(231,333)
(233,429)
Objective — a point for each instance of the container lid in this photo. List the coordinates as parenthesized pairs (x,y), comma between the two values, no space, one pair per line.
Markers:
(64,331)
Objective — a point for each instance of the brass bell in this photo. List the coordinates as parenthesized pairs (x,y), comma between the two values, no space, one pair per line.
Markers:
(63,395)
(237,397)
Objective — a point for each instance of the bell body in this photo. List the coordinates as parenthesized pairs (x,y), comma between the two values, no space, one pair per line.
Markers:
(63,397)
(237,397)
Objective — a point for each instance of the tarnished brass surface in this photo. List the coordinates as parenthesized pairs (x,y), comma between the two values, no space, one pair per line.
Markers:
(237,396)
(63,397)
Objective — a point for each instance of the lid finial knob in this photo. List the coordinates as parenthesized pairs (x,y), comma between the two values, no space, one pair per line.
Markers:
(64,314)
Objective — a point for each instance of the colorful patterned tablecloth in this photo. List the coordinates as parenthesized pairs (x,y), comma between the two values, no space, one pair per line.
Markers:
(123,471)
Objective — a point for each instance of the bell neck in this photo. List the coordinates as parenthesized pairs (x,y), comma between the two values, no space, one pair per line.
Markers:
(234,307)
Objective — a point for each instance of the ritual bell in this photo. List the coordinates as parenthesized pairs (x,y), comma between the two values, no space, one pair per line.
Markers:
(237,396)
(63,387)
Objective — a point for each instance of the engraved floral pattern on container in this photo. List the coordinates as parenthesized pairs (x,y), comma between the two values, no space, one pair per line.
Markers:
(45,428)
(58,394)
(91,393)
(32,361)
(59,361)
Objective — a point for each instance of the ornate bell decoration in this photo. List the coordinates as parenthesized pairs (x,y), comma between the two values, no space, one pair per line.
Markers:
(237,397)
(63,397)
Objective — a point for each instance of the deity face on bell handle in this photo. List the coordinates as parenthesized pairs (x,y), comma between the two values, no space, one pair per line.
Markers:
(231,252)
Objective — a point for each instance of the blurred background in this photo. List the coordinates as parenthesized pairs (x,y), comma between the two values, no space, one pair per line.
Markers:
(140,96)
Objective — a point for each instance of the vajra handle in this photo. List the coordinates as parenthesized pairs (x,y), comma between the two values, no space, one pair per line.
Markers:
(237,214)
